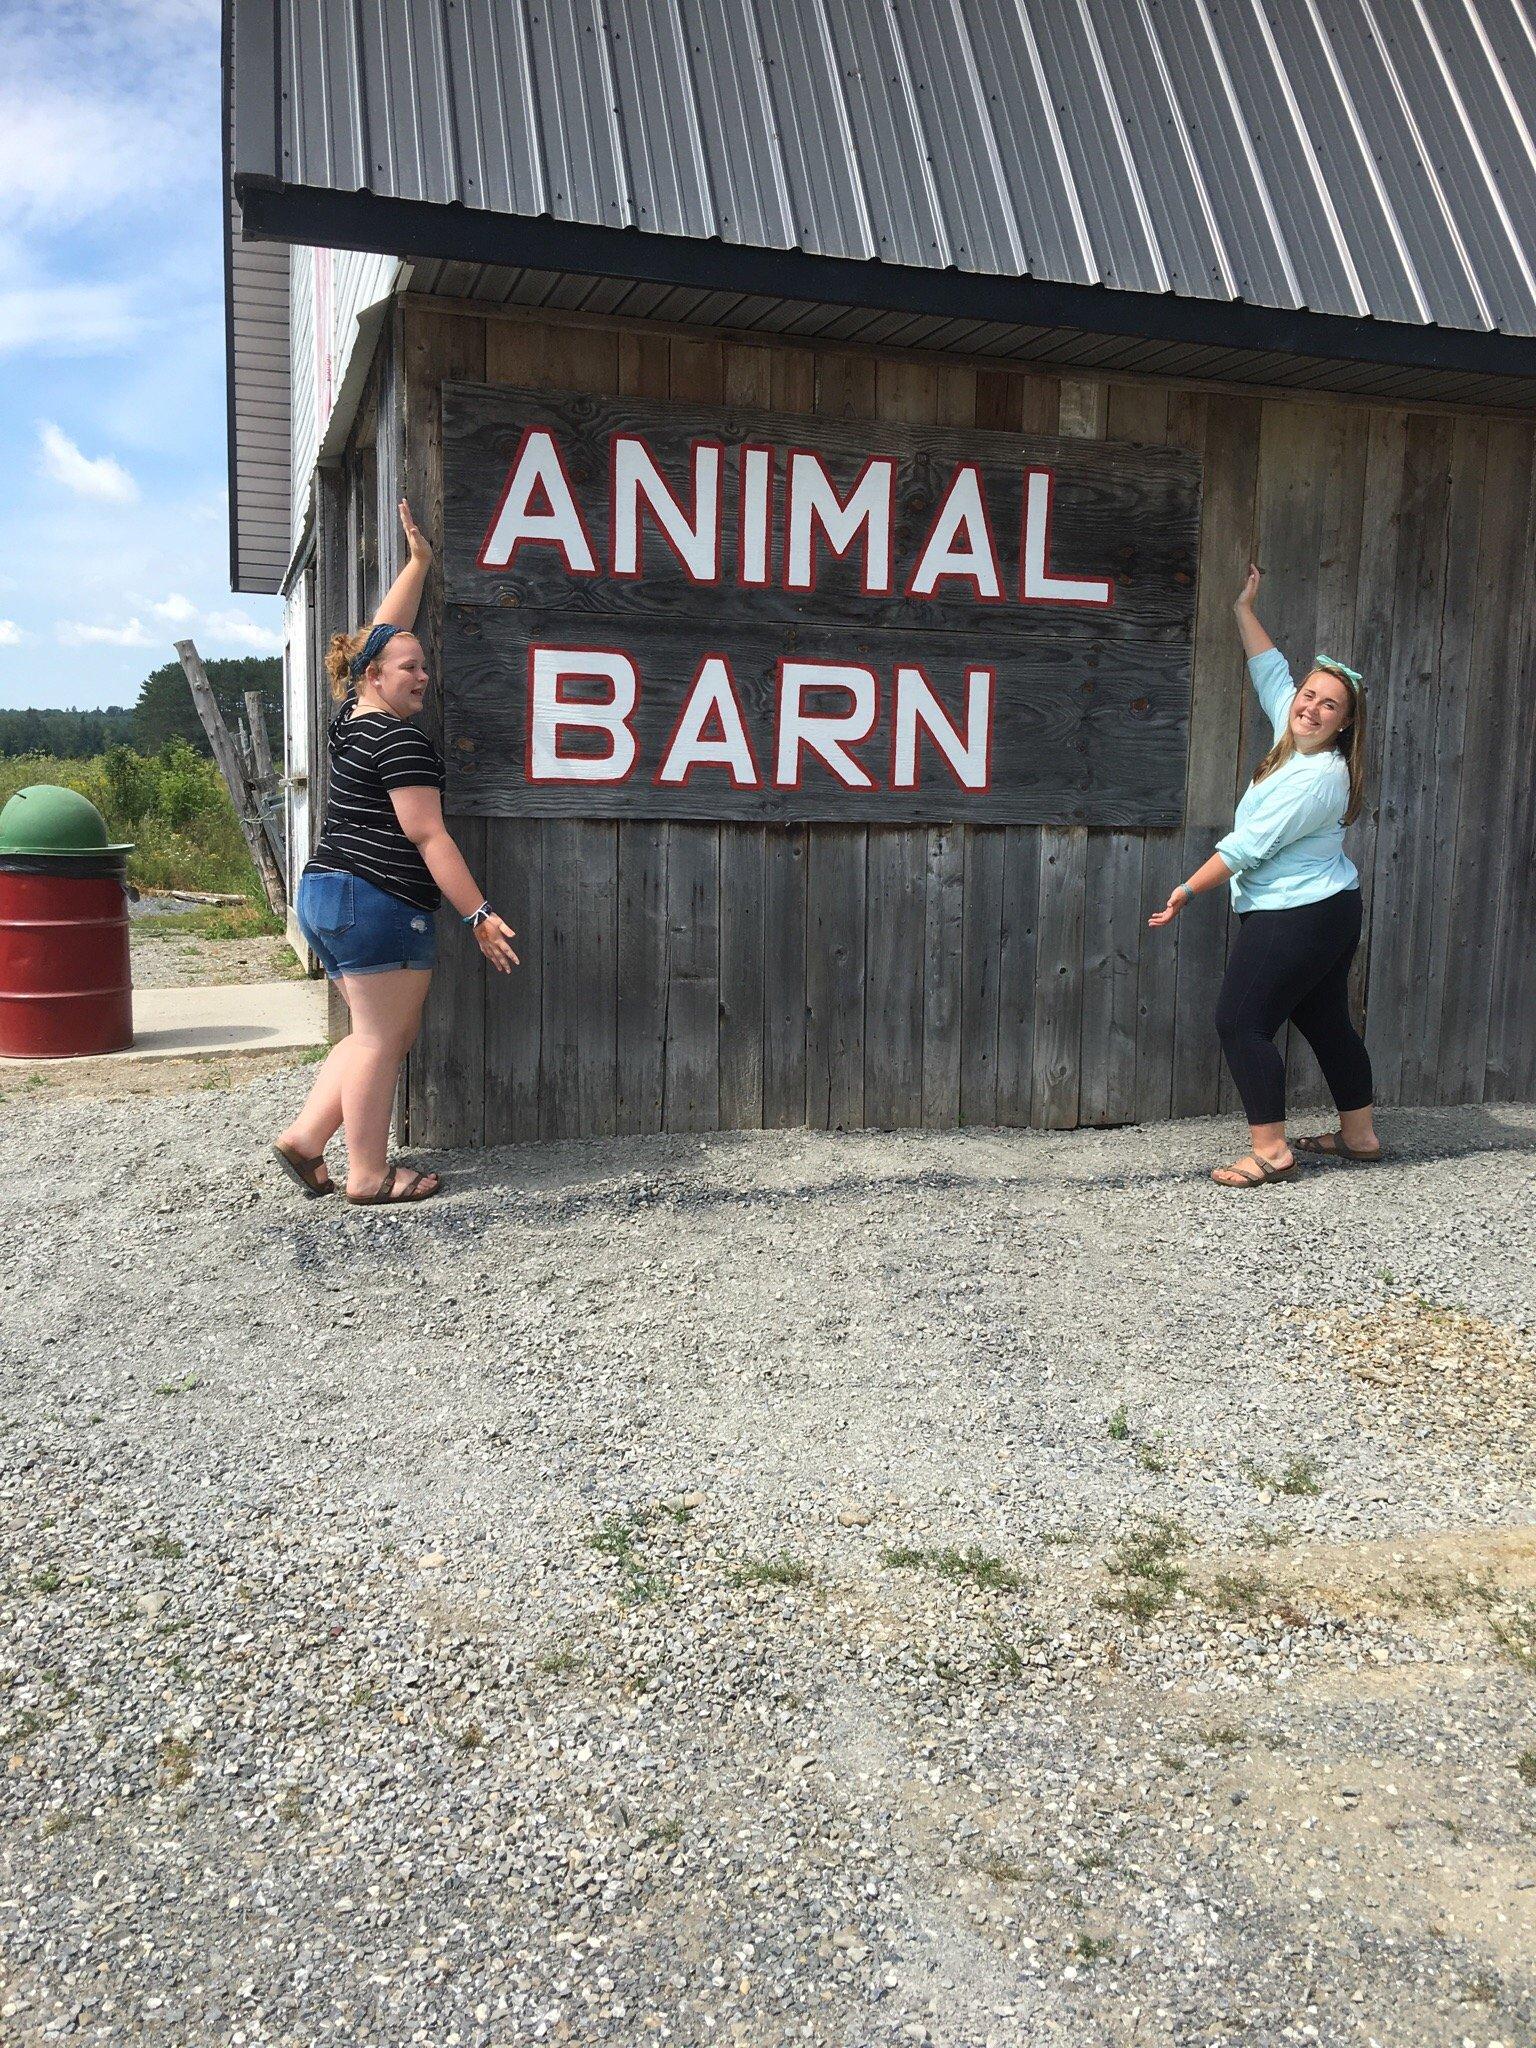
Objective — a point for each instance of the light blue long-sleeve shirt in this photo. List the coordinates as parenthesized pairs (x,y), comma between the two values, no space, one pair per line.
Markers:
(1286,846)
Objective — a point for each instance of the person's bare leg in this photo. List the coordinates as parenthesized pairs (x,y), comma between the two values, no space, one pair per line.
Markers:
(386,1015)
(1269,1144)
(320,1118)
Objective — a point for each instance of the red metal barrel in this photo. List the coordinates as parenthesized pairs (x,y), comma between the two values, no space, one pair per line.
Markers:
(66,985)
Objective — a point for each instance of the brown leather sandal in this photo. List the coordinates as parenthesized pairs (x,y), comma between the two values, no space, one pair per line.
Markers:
(1336,1148)
(385,1195)
(1266,1174)
(306,1172)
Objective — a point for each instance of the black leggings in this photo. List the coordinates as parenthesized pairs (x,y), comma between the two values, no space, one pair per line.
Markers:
(1293,963)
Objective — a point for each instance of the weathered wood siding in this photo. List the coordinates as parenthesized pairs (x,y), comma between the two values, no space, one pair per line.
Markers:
(689,976)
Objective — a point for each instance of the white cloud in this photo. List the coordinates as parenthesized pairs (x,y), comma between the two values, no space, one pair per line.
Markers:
(10,633)
(66,319)
(75,633)
(176,610)
(99,477)
(240,630)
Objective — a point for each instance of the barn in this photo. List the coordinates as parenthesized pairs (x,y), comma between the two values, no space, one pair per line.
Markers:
(844,425)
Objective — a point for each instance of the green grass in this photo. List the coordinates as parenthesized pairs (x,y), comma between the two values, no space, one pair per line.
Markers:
(1301,1476)
(972,1563)
(172,805)
(1119,1425)
(772,1571)
(1147,1566)
(1525,1767)
(212,921)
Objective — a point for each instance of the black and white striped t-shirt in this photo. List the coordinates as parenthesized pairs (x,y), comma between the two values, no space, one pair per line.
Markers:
(371,754)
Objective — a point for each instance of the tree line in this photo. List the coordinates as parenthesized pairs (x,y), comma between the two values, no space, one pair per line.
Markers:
(164,711)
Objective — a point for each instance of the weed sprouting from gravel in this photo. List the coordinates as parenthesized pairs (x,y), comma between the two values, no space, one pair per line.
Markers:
(1091,1948)
(1515,1634)
(1301,1476)
(1002,1869)
(618,1539)
(1149,1454)
(29,1722)
(162,1546)
(181,1386)
(1148,1564)
(666,1833)
(1119,1425)
(1242,1592)
(772,1571)
(1222,1735)
(57,1823)
(470,1737)
(290,1805)
(1007,1658)
(1525,1767)
(173,1761)
(47,1580)
(558,1662)
(980,1567)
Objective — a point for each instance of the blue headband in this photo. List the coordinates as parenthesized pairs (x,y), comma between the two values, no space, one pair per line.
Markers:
(373,647)
(1351,675)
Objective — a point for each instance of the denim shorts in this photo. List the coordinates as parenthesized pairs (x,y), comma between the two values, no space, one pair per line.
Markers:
(355,928)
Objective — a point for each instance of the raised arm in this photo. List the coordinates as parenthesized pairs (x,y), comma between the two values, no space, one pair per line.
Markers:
(402,600)
(1255,639)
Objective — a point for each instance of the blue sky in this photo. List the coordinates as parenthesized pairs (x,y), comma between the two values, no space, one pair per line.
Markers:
(113,539)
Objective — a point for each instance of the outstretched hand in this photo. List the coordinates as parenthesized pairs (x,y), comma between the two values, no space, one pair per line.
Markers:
(1250,589)
(1169,911)
(420,546)
(494,937)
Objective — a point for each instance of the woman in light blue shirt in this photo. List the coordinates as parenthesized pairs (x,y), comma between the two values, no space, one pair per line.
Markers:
(1297,895)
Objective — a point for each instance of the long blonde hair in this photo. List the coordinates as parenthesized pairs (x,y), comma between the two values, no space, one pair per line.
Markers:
(1350,743)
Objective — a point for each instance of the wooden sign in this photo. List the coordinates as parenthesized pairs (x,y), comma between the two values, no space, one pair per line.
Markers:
(668,611)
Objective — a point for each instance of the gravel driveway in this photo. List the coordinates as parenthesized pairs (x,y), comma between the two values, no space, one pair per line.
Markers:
(994,1588)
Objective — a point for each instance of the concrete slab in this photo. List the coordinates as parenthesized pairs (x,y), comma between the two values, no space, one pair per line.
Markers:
(192,1023)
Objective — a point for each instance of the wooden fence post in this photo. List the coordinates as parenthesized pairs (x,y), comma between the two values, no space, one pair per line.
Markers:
(228,759)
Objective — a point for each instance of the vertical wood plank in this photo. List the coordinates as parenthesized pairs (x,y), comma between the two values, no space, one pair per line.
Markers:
(1407,747)
(641,977)
(1063,887)
(1485,862)
(785,859)
(834,978)
(742,975)
(692,1090)
(1228,432)
(1375,600)
(1162,861)
(943,972)
(514,865)
(1018,954)
(692,1086)
(896,917)
(444,1089)
(1434,846)
(580,978)
(981,974)
(1059,977)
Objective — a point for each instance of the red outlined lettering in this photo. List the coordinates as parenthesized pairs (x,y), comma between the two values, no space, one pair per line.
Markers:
(754,540)
(916,709)
(538,465)
(827,735)
(550,714)
(1036,583)
(633,473)
(711,696)
(963,511)
(812,501)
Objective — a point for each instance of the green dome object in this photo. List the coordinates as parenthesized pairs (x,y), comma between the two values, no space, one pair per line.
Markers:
(47,818)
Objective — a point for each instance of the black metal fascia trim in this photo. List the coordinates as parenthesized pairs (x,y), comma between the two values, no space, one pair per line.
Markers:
(454,233)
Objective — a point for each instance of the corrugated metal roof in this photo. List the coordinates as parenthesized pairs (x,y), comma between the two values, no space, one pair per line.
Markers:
(1362,157)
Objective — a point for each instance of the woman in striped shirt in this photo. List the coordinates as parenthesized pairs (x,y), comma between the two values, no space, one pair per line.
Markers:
(369,895)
